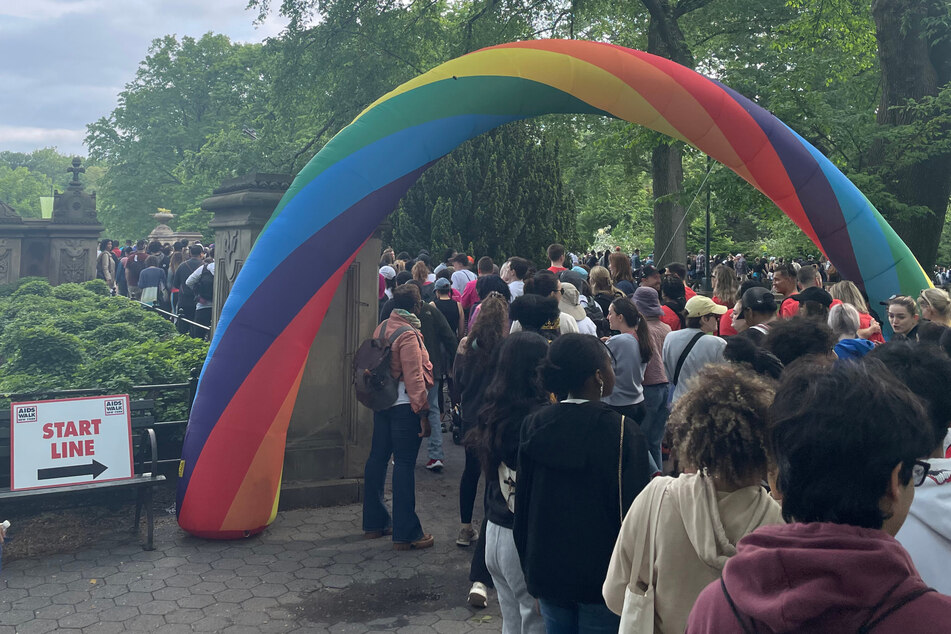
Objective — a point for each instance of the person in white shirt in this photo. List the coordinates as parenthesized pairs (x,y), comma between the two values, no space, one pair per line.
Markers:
(703,316)
(461,274)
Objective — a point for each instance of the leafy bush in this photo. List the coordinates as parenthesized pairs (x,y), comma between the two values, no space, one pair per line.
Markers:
(99,287)
(48,350)
(71,292)
(34,287)
(76,336)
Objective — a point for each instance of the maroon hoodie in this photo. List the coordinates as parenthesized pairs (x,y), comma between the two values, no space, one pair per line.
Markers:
(819,577)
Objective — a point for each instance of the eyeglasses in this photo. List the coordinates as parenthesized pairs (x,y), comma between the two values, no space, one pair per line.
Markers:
(919,471)
(560,291)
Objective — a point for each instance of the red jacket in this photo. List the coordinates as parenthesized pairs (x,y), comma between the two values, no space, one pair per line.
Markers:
(820,577)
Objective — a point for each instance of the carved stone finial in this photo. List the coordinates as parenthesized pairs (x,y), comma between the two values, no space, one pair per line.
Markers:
(76,170)
(8,216)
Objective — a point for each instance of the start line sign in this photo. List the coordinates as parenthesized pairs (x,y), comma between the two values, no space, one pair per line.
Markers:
(71,441)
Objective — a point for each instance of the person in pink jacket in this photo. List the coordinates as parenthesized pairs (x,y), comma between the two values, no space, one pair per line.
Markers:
(848,442)
(399,429)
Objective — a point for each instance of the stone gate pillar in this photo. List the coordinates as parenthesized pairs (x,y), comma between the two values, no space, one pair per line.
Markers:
(328,437)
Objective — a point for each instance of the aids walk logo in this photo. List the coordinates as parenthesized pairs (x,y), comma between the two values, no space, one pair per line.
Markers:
(26,414)
(115,407)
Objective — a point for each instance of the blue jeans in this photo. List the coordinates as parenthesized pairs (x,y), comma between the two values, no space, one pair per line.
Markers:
(396,433)
(435,438)
(655,421)
(578,618)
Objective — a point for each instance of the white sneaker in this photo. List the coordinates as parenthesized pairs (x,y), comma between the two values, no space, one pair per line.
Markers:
(478,595)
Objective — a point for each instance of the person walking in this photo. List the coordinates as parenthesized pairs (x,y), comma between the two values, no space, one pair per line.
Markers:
(513,393)
(580,465)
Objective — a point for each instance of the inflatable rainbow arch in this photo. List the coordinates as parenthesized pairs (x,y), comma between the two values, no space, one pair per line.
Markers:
(234,445)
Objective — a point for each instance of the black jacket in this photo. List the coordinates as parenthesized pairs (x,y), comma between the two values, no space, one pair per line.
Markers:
(496,508)
(567,514)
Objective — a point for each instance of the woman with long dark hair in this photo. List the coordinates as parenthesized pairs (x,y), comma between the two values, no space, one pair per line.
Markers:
(630,352)
(472,371)
(580,465)
(513,393)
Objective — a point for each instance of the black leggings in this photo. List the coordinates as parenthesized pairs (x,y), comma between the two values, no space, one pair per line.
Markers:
(469,486)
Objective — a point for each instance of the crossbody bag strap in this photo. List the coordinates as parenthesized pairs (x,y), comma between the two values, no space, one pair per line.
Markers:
(685,354)
(620,487)
(871,623)
(736,612)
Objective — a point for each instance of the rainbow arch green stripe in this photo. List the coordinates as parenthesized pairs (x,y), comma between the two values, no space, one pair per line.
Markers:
(234,444)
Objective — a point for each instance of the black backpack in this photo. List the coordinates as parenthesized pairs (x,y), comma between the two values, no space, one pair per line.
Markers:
(205,288)
(374,383)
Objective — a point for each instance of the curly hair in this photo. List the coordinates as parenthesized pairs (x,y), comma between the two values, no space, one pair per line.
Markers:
(719,425)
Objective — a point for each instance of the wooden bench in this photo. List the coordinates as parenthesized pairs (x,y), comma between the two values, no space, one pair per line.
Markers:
(145,467)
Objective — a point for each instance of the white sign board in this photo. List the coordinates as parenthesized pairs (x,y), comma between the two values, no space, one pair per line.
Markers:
(72,441)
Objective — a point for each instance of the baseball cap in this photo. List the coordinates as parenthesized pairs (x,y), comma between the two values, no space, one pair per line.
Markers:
(442,284)
(814,294)
(698,306)
(759,300)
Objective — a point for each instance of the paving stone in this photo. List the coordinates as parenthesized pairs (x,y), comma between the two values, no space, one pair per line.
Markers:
(71,597)
(259,603)
(211,624)
(146,585)
(170,594)
(108,591)
(337,581)
(31,603)
(243,582)
(235,595)
(145,623)
(184,615)
(196,601)
(119,613)
(241,629)
(15,617)
(158,607)
(95,605)
(78,620)
(54,612)
(37,626)
(133,598)
(104,628)
(47,590)
(23,582)
(207,587)
(173,628)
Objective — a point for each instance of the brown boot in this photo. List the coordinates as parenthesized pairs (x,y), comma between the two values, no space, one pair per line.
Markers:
(426,541)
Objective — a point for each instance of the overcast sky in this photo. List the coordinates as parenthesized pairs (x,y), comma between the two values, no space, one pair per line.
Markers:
(64,62)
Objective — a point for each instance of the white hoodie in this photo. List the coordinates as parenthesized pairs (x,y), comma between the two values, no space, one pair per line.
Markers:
(697,531)
(926,533)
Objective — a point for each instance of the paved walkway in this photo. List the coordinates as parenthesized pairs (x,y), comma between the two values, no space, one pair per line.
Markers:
(311,571)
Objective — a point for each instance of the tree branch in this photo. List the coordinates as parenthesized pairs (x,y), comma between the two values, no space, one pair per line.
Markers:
(687,6)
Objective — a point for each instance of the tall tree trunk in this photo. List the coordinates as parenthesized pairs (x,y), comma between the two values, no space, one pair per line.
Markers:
(664,38)
(916,62)
(670,228)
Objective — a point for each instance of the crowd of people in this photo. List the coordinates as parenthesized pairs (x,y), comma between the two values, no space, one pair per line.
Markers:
(177,278)
(761,460)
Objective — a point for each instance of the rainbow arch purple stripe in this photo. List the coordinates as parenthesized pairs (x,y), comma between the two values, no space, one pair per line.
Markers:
(234,445)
